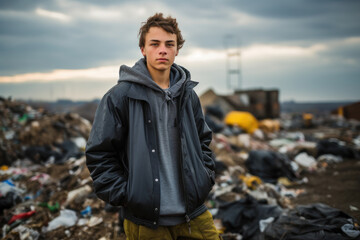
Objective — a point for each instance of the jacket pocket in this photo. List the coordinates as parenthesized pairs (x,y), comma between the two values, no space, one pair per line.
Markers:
(202,180)
(211,175)
(207,184)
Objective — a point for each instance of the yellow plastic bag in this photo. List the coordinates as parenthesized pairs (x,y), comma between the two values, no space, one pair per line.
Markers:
(244,120)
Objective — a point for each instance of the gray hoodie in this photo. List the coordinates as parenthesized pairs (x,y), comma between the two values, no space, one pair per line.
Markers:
(164,103)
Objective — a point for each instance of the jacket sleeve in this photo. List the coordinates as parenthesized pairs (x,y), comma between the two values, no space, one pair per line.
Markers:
(204,132)
(105,151)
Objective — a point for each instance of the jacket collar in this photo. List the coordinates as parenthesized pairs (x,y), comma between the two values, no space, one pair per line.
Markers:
(138,92)
(192,84)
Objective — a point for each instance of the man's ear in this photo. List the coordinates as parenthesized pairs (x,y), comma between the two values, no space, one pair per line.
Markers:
(177,52)
(143,51)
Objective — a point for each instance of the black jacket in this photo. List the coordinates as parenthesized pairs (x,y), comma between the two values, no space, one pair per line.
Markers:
(122,157)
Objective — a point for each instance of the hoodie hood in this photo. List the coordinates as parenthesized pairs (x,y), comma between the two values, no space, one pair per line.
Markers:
(139,74)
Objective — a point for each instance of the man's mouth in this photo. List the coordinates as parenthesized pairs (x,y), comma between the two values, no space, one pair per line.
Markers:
(162,59)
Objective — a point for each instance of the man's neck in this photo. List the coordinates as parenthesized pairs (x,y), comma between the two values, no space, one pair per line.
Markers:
(162,78)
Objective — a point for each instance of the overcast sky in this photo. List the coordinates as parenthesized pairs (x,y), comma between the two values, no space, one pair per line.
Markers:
(309,50)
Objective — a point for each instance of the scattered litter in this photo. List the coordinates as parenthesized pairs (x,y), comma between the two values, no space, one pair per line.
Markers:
(350,230)
(353,208)
(94,221)
(46,192)
(306,161)
(264,223)
(330,158)
(67,218)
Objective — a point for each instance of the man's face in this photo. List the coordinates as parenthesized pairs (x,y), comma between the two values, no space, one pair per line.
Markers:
(160,49)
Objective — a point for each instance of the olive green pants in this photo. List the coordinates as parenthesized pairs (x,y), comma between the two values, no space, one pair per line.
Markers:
(202,227)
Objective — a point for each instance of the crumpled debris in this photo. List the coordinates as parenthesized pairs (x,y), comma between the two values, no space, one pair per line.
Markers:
(258,176)
(23,133)
(43,171)
(313,221)
(280,161)
(350,230)
(306,161)
(67,218)
(21,216)
(330,158)
(25,233)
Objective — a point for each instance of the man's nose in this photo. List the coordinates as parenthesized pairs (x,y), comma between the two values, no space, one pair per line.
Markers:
(162,49)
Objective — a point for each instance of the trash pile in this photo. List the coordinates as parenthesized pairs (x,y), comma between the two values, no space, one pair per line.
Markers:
(45,186)
(260,169)
(46,189)
(38,136)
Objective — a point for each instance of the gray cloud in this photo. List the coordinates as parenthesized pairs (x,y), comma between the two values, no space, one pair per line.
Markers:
(24,5)
(283,9)
(33,43)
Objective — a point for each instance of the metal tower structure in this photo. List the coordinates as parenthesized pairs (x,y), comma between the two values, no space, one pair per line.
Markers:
(233,65)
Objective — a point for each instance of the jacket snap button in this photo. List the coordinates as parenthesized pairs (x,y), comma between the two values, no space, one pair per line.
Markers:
(156,180)
(156,209)
(153,150)
(149,121)
(154,223)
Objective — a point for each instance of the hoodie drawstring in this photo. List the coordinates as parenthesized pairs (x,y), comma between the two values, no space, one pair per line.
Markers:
(168,98)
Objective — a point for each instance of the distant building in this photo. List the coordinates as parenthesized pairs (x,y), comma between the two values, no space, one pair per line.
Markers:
(261,103)
(351,111)
(210,98)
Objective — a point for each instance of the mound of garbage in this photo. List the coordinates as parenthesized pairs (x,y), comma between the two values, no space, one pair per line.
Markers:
(46,190)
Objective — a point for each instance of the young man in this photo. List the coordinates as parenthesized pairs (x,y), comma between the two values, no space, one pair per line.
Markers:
(148,150)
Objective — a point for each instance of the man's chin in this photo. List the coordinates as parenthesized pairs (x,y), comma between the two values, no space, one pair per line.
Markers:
(163,67)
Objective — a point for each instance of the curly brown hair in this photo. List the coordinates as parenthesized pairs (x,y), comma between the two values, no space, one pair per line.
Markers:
(169,24)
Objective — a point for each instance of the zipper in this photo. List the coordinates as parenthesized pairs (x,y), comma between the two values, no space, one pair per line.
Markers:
(187,218)
(188,222)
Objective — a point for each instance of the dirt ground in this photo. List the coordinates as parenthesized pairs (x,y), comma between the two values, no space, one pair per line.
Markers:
(338,186)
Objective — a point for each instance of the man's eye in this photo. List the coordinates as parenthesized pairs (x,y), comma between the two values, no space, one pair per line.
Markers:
(170,44)
(153,44)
